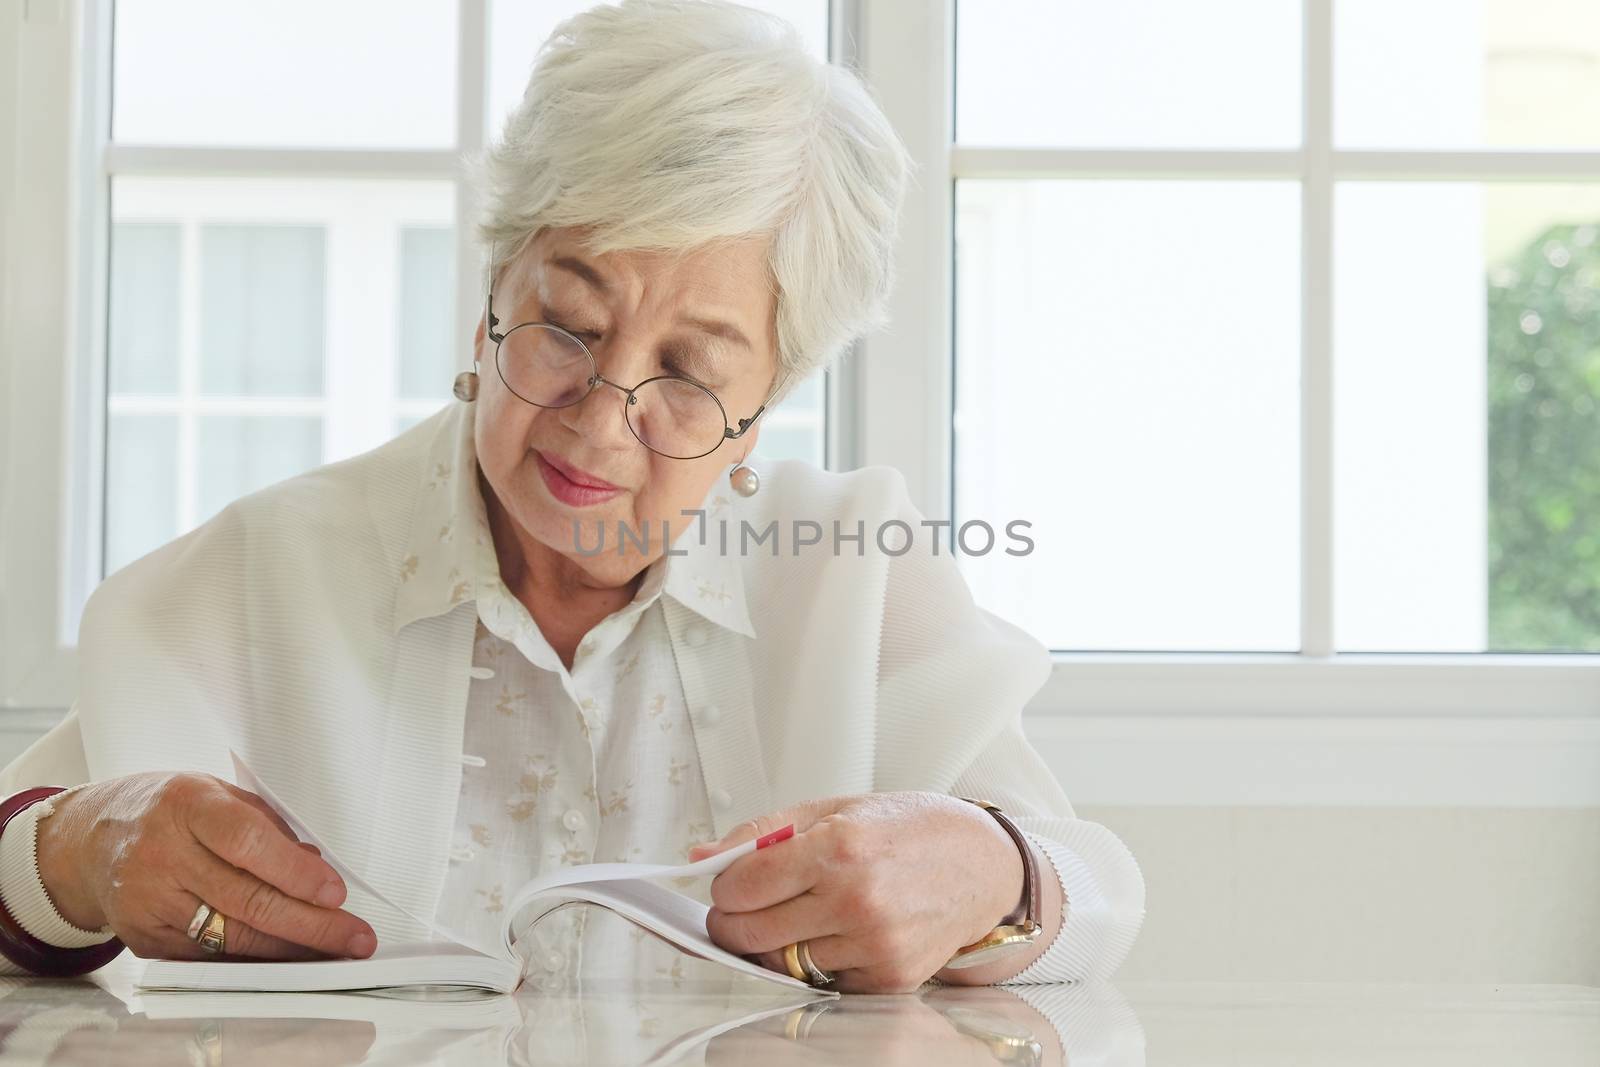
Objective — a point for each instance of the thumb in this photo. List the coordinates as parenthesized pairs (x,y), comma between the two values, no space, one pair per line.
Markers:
(803,815)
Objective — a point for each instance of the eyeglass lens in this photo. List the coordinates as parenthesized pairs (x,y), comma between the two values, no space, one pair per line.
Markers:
(551,369)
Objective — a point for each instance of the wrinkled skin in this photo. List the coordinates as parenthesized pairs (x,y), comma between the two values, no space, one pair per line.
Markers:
(885,887)
(140,852)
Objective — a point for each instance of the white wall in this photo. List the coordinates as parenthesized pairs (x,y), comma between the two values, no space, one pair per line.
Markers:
(1385,894)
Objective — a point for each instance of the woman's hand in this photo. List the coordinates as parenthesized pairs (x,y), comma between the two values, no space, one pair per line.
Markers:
(885,886)
(141,853)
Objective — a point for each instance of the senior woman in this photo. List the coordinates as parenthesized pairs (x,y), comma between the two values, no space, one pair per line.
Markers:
(563,621)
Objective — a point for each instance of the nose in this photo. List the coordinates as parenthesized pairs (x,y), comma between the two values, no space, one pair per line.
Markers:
(601,417)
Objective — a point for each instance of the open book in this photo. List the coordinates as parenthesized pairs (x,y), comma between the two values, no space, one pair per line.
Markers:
(629,889)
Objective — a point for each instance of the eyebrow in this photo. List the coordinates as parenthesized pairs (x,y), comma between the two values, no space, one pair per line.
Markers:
(715,327)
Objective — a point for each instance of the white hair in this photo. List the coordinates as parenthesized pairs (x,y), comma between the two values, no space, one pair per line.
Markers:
(671,125)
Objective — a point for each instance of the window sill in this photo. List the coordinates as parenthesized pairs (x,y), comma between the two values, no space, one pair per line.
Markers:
(1396,730)
(1349,684)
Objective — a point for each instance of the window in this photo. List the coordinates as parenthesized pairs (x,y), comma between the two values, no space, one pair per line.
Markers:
(1280,354)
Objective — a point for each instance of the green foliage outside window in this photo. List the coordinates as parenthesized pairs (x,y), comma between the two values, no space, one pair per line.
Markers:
(1544,444)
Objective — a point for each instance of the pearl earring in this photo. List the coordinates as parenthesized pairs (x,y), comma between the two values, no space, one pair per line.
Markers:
(745,480)
(466,387)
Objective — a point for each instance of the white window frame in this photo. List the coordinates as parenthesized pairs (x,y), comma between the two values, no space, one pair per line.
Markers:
(1099,703)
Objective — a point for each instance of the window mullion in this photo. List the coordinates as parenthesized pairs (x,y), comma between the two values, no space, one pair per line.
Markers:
(842,385)
(1316,337)
(904,373)
(188,451)
(472,105)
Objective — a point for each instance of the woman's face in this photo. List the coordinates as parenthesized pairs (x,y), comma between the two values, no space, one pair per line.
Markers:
(709,315)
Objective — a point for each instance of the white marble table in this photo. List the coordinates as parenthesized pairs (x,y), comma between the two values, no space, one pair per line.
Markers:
(697,1015)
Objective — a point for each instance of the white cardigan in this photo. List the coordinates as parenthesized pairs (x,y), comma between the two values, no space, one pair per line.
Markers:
(289,627)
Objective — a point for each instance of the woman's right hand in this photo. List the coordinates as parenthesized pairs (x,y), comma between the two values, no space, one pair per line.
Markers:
(141,852)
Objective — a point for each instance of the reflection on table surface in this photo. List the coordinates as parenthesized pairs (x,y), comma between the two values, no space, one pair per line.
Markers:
(700,1014)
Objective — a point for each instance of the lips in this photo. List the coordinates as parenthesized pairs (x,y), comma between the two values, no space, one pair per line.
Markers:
(567,489)
(576,475)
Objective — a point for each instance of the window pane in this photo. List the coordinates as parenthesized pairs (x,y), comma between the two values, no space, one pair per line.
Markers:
(517,28)
(1466,73)
(144,308)
(288,308)
(429,346)
(1127,381)
(141,486)
(261,310)
(1159,73)
(1467,407)
(357,73)
(796,428)
(238,455)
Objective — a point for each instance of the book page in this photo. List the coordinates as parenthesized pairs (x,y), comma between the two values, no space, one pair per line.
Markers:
(676,918)
(245,778)
(596,873)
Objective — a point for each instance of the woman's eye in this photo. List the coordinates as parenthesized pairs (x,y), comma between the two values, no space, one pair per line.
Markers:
(587,335)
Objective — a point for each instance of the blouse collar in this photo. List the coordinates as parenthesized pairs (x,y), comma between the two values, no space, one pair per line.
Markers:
(449,554)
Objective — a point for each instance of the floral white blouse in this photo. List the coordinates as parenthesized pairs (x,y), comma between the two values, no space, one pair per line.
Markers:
(595,764)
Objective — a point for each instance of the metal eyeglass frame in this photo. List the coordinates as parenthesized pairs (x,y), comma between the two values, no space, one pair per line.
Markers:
(596,378)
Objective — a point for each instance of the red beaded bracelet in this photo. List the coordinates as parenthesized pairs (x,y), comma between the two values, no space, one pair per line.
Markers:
(21,947)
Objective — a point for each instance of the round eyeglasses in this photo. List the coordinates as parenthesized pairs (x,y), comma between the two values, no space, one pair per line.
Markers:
(548,367)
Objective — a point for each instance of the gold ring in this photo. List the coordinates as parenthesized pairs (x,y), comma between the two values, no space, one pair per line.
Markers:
(212,934)
(791,960)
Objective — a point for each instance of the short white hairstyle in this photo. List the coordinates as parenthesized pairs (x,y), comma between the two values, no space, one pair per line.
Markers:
(672,125)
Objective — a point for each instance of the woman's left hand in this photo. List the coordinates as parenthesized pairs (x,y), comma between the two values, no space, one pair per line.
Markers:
(885,886)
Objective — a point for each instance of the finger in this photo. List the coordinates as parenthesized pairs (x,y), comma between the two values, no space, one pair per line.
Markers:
(238,833)
(238,939)
(829,852)
(876,961)
(261,805)
(746,932)
(802,815)
(859,963)
(261,906)
(242,940)
(836,953)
